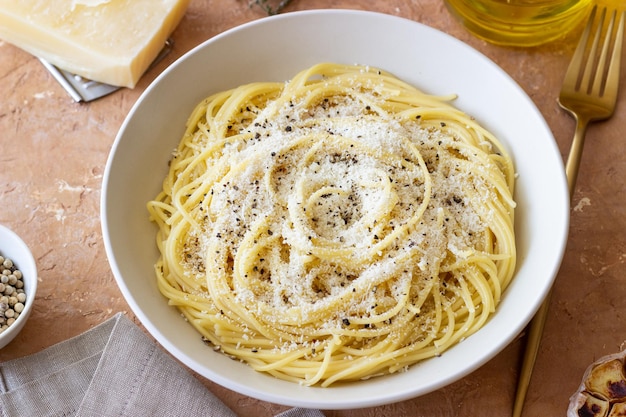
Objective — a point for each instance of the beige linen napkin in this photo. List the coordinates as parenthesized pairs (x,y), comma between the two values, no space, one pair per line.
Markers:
(113,369)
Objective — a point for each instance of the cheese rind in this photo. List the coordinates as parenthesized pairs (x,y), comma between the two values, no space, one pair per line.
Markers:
(111,41)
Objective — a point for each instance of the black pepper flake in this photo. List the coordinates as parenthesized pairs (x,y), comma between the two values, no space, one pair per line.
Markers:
(346,322)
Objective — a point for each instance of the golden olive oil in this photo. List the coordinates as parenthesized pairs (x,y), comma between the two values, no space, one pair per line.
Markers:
(519,22)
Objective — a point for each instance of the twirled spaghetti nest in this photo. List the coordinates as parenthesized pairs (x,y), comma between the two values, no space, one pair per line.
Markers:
(334,227)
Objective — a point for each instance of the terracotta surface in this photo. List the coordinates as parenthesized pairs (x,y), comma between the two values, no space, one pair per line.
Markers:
(52,157)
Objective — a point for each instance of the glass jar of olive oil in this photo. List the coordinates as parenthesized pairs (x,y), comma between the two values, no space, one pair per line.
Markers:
(519,22)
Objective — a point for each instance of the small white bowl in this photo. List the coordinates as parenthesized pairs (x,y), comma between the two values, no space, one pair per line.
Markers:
(14,248)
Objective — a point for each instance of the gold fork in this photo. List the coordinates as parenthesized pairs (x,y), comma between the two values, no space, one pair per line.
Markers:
(589,93)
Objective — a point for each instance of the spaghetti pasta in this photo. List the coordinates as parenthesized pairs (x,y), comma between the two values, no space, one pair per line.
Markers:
(334,227)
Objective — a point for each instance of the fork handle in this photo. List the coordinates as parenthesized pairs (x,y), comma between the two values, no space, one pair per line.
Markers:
(535,329)
(575,153)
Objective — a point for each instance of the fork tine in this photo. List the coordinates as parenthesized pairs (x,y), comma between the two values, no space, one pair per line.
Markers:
(588,72)
(614,66)
(613,60)
(598,77)
(572,76)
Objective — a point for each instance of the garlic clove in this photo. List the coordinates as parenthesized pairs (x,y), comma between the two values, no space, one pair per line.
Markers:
(607,380)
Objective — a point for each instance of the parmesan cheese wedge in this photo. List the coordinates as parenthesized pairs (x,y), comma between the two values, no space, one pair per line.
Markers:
(110,41)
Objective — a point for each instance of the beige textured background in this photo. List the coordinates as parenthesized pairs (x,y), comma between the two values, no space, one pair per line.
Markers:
(52,157)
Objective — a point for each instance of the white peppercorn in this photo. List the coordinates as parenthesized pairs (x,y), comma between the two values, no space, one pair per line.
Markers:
(12,295)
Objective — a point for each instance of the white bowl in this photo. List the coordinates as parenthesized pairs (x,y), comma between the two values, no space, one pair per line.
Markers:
(12,247)
(275,49)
